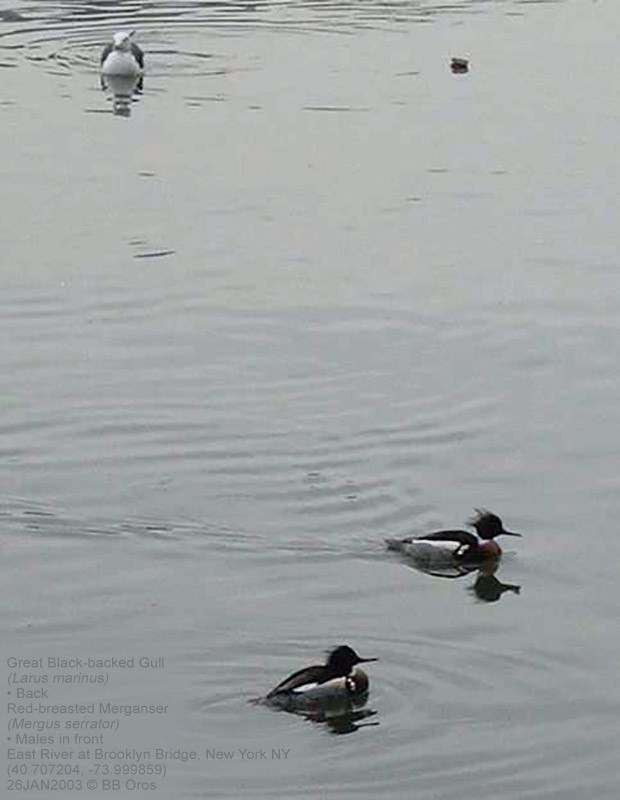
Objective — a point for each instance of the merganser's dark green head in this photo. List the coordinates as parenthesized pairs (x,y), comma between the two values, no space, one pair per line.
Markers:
(342,660)
(489,525)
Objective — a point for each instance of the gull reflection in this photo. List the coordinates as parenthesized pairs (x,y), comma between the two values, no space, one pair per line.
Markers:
(123,89)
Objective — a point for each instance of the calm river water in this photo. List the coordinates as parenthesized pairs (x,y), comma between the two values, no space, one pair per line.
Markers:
(314,291)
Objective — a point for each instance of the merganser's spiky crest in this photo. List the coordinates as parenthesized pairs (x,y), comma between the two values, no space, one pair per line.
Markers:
(443,551)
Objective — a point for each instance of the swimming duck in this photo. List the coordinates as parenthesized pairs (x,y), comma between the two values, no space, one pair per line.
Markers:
(459,65)
(460,548)
(334,684)
(122,57)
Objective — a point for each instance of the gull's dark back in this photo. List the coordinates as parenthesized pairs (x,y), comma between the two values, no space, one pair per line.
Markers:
(106,52)
(138,54)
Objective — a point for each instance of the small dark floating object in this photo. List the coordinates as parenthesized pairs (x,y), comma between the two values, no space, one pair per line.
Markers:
(459,65)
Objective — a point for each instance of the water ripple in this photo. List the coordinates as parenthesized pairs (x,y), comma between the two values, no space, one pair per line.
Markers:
(67,36)
(441,707)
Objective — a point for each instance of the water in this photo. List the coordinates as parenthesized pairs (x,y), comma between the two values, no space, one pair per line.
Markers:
(316,290)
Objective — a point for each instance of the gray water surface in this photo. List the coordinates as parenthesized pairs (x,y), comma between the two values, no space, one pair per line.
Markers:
(314,291)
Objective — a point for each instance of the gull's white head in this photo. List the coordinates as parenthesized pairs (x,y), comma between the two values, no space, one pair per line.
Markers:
(122,41)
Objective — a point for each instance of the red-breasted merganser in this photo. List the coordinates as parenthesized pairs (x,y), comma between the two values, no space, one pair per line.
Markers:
(333,684)
(456,547)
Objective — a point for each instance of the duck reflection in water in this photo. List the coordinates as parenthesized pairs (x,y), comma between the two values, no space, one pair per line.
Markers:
(350,722)
(122,71)
(335,692)
(488,587)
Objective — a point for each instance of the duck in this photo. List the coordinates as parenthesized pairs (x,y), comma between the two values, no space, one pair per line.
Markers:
(335,684)
(459,65)
(122,56)
(458,548)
